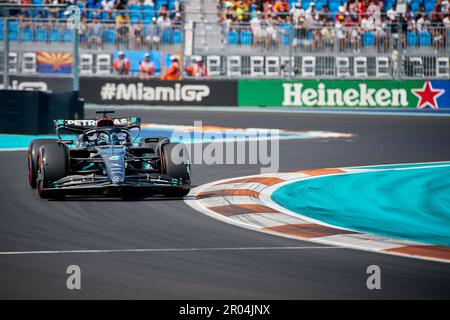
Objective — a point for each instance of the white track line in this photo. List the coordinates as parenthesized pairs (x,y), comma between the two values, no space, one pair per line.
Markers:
(10,253)
(14,149)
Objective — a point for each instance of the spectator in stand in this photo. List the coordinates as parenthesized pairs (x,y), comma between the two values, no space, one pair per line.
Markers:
(228,13)
(395,31)
(173,72)
(108,6)
(419,12)
(327,35)
(178,19)
(355,38)
(360,7)
(297,12)
(272,34)
(123,29)
(241,12)
(408,14)
(311,16)
(164,21)
(177,7)
(381,35)
(298,19)
(95,32)
(436,15)
(438,39)
(352,8)
(259,34)
(121,4)
(122,65)
(420,23)
(138,31)
(340,31)
(340,15)
(153,35)
(146,68)
(446,21)
(83,33)
(374,8)
(281,8)
(267,9)
(323,14)
(52,15)
(367,23)
(410,24)
(26,21)
(41,17)
(392,13)
(445,5)
(198,69)
(163,10)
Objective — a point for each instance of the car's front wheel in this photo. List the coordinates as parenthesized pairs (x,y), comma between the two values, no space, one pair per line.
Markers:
(33,154)
(53,165)
(175,163)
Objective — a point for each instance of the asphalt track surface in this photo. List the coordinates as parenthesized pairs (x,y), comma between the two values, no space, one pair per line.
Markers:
(28,223)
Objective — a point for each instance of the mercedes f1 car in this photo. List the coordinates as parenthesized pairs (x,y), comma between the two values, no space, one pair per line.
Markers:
(105,159)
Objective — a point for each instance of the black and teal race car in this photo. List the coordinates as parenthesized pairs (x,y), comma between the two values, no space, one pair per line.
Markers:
(105,159)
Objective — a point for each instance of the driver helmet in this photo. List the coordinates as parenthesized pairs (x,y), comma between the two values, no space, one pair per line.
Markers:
(102,139)
(115,140)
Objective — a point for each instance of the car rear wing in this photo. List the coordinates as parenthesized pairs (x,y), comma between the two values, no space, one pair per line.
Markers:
(85,124)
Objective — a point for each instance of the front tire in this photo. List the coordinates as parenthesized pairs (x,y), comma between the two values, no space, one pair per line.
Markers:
(33,155)
(175,163)
(53,165)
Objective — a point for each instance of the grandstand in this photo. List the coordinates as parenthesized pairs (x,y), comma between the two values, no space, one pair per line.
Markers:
(251,38)
(43,23)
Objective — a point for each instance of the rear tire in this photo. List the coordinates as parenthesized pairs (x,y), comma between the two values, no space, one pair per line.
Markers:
(33,154)
(172,167)
(53,165)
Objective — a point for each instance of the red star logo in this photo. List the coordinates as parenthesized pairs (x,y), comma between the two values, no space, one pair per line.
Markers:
(427,96)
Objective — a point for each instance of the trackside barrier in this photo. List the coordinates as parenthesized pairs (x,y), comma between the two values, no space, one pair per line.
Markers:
(345,93)
(39,83)
(420,94)
(32,112)
(158,92)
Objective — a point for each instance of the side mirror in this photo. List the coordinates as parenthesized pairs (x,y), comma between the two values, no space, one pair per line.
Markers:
(65,141)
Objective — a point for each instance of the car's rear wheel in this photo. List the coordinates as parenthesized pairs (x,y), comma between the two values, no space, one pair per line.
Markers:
(53,165)
(33,154)
(175,163)
(153,142)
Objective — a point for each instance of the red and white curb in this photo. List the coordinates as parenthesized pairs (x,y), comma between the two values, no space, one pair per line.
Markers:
(246,202)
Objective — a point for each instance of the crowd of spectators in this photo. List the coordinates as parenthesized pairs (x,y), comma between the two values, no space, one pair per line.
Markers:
(133,24)
(350,24)
(101,9)
(127,23)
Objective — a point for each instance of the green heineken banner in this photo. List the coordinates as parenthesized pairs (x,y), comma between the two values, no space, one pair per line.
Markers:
(420,94)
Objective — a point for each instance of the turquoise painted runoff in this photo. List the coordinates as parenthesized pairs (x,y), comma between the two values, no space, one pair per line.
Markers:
(406,201)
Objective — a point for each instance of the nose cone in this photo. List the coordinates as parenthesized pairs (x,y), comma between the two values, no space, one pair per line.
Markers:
(114,160)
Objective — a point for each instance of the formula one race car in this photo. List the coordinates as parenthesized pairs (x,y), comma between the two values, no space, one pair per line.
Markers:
(104,159)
